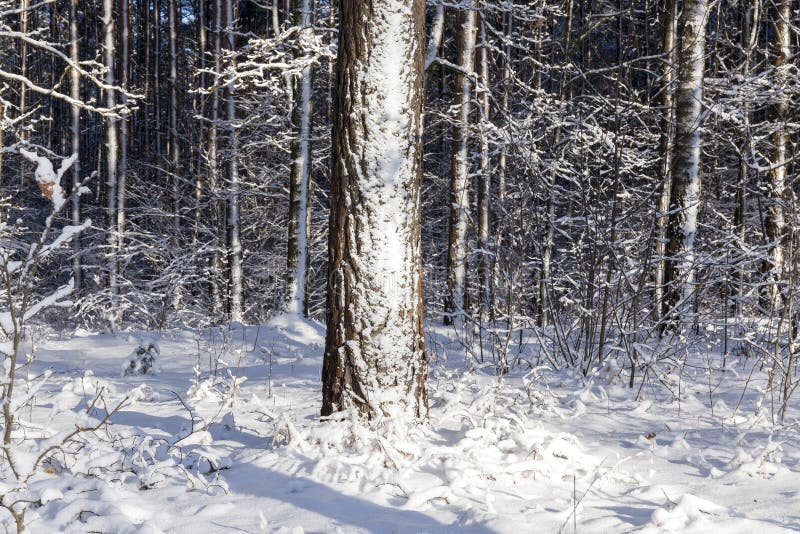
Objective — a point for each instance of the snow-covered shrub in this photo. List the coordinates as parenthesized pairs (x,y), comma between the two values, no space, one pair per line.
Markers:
(142,361)
(29,449)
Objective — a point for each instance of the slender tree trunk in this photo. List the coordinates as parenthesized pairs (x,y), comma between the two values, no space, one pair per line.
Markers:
(213,156)
(75,135)
(200,102)
(234,244)
(24,6)
(375,358)
(685,196)
(124,125)
(774,222)
(299,182)
(484,182)
(435,40)
(750,25)
(157,77)
(172,139)
(669,49)
(112,162)
(459,168)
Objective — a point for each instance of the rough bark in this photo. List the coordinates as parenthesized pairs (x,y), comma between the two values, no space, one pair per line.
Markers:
(375,358)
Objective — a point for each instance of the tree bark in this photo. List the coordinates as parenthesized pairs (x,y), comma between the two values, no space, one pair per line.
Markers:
(685,170)
(484,183)
(669,50)
(234,243)
(300,175)
(172,139)
(774,221)
(112,162)
(375,359)
(75,135)
(124,124)
(459,169)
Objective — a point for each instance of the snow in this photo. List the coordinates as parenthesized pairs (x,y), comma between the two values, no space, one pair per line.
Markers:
(380,205)
(539,448)
(47,178)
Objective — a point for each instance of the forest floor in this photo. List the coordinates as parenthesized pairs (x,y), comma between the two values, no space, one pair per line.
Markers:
(538,451)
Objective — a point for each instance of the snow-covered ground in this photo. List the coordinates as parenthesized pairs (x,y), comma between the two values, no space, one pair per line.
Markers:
(539,451)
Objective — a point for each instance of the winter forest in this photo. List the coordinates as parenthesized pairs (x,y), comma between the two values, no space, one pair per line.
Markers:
(399,266)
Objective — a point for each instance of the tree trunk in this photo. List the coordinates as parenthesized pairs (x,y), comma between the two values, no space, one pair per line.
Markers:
(773,265)
(484,183)
(685,169)
(375,358)
(669,50)
(174,146)
(124,124)
(215,286)
(234,244)
(299,182)
(75,135)
(749,41)
(112,162)
(459,169)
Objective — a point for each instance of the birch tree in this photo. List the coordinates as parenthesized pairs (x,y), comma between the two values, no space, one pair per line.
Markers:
(112,162)
(685,168)
(235,304)
(375,359)
(774,221)
(459,166)
(300,172)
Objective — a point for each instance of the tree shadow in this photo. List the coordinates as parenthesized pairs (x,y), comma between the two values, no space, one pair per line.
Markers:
(344,510)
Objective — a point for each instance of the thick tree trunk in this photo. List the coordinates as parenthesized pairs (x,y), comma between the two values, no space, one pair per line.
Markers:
(669,49)
(299,182)
(774,222)
(685,174)
(375,358)
(234,243)
(459,169)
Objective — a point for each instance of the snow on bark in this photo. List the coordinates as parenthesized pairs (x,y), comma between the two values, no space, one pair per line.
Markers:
(685,175)
(459,168)
(670,51)
(48,180)
(774,220)
(299,230)
(375,357)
